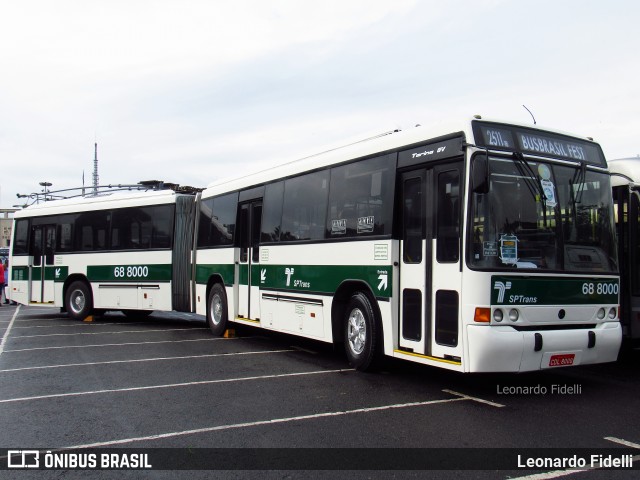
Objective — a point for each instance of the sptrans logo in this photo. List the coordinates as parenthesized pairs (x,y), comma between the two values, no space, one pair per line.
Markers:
(502,287)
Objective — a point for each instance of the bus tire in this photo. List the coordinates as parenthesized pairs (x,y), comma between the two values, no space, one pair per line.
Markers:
(361,331)
(78,300)
(217,315)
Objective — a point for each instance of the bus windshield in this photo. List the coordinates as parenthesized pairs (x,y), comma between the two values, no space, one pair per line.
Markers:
(543,216)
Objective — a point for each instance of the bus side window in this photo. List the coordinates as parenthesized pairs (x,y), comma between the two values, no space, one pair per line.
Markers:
(413,227)
(448,222)
(272,212)
(21,237)
(305,207)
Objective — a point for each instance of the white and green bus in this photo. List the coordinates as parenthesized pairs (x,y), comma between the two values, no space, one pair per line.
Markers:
(625,181)
(126,250)
(487,247)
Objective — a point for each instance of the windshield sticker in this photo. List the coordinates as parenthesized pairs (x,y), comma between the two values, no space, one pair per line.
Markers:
(490,249)
(339,227)
(509,249)
(549,192)
(366,224)
(544,171)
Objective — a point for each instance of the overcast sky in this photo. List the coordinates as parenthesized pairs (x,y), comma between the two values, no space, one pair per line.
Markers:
(191,91)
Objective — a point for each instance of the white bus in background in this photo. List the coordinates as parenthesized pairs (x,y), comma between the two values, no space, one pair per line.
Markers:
(486,247)
(126,250)
(625,180)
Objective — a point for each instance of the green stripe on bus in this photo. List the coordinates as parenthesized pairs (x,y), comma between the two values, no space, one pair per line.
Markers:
(506,290)
(304,278)
(19,273)
(128,273)
(57,274)
(204,272)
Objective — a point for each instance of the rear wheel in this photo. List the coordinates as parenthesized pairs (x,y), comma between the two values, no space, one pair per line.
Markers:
(361,332)
(79,300)
(217,310)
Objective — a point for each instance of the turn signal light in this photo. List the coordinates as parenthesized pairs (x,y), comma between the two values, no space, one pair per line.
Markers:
(482,315)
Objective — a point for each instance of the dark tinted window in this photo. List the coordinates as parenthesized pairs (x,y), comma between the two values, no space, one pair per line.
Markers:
(91,231)
(413,221)
(142,228)
(217,221)
(21,237)
(204,228)
(448,217)
(272,213)
(361,198)
(305,207)
(65,226)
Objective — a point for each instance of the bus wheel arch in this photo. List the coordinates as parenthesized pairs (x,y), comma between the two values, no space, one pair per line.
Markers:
(217,306)
(354,307)
(78,297)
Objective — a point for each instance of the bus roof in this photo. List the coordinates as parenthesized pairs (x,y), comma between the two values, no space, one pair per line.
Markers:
(99,202)
(387,141)
(624,171)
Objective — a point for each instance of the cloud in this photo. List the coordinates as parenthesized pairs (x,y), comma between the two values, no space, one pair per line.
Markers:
(198,90)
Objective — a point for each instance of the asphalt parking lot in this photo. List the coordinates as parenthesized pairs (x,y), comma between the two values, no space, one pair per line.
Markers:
(164,381)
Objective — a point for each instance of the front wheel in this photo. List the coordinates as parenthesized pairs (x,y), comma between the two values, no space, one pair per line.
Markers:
(79,300)
(361,333)
(217,310)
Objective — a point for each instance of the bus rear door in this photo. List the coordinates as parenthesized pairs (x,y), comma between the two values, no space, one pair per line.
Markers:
(250,218)
(43,241)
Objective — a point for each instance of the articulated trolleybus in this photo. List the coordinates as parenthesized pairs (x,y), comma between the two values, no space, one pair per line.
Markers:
(488,247)
(126,250)
(625,180)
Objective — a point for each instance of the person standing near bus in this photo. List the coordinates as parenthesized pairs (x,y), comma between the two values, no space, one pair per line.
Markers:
(2,284)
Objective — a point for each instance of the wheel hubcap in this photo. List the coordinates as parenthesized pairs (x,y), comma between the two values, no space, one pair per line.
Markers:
(356,331)
(77,301)
(216,309)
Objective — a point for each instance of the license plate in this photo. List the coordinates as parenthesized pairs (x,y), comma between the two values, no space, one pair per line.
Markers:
(562,360)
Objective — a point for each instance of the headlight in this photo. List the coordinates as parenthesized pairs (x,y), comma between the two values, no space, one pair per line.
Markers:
(498,315)
(514,315)
(601,313)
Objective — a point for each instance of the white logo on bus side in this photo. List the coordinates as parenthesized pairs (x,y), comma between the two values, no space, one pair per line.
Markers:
(502,288)
(384,279)
(288,272)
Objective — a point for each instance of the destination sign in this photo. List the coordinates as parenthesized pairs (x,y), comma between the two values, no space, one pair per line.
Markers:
(538,142)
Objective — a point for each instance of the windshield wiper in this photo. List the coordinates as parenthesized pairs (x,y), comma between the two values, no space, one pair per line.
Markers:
(578,178)
(531,179)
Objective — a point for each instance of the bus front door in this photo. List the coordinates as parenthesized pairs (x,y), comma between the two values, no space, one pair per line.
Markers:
(42,263)
(249,262)
(430,268)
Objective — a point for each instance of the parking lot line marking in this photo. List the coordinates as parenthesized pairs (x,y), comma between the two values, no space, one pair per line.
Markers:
(548,475)
(110,333)
(623,442)
(475,399)
(6,333)
(274,421)
(86,325)
(98,345)
(137,360)
(173,385)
